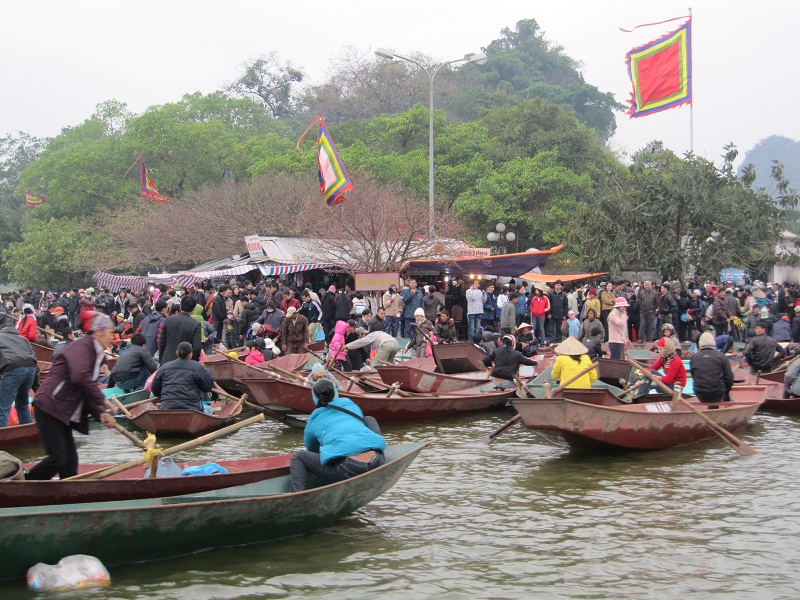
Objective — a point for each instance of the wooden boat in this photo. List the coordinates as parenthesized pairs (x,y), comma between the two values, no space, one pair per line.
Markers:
(191,423)
(18,435)
(647,426)
(775,390)
(133,531)
(42,352)
(134,484)
(535,387)
(412,379)
(128,398)
(461,357)
(231,374)
(612,370)
(386,409)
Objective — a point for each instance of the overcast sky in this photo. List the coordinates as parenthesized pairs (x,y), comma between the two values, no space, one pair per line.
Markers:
(59,59)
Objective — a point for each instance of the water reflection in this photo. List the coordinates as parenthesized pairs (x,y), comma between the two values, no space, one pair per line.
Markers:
(521,518)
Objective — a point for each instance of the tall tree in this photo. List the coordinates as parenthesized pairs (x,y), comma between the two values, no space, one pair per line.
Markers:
(271,81)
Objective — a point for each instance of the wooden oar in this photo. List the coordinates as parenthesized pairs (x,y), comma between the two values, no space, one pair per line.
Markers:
(742,448)
(107,471)
(270,372)
(129,435)
(139,403)
(121,406)
(514,420)
(50,333)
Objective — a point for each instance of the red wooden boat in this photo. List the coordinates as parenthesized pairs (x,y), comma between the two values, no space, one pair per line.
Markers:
(461,357)
(192,423)
(647,426)
(413,379)
(43,353)
(133,484)
(386,409)
(18,435)
(231,374)
(775,389)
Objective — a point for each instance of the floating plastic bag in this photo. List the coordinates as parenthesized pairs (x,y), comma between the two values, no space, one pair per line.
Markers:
(75,572)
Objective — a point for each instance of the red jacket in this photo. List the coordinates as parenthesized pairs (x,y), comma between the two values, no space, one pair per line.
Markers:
(674,372)
(540,305)
(27,328)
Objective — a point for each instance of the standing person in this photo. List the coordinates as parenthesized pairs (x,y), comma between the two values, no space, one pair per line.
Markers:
(590,323)
(151,326)
(378,322)
(618,329)
(540,306)
(294,332)
(74,307)
(393,304)
(329,311)
(592,303)
(559,307)
(312,311)
(508,314)
(219,311)
(27,324)
(432,303)
(711,371)
(490,311)
(422,330)
(412,300)
(474,307)
(523,305)
(607,302)
(18,372)
(343,306)
(180,328)
(340,441)
(667,306)
(571,326)
(506,360)
(68,396)
(633,316)
(720,313)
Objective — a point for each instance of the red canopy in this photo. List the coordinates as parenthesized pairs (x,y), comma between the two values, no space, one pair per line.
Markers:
(564,278)
(503,265)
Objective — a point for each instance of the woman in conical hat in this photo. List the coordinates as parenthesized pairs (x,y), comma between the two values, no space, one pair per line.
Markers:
(572,360)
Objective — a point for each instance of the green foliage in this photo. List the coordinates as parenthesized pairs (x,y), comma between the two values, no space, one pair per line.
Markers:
(53,253)
(534,197)
(271,82)
(680,215)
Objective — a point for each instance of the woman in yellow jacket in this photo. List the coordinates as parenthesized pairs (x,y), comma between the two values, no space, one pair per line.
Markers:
(572,359)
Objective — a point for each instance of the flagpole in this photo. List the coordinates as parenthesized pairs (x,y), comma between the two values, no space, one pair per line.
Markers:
(691,105)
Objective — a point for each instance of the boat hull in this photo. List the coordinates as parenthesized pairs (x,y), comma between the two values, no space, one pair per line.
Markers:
(182,423)
(461,357)
(422,381)
(394,409)
(18,435)
(648,426)
(132,484)
(156,529)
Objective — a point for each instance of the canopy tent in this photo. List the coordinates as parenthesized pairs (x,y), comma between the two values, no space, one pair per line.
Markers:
(502,265)
(136,283)
(539,277)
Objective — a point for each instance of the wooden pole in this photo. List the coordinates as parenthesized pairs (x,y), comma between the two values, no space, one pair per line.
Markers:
(121,406)
(129,435)
(105,472)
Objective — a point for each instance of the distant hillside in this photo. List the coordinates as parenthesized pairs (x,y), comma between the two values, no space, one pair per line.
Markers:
(776,147)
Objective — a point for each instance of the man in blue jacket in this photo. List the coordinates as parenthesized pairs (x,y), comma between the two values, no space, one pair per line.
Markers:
(412,300)
(340,442)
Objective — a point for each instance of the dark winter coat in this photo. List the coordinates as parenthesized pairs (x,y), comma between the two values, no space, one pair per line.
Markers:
(176,329)
(712,374)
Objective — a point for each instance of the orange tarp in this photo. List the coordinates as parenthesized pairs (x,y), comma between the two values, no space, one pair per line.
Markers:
(564,278)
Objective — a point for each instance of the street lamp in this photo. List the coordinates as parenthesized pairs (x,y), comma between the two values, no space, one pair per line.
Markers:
(499,238)
(478,59)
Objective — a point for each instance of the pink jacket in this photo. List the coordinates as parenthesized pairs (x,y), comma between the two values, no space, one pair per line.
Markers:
(617,327)
(337,343)
(254,357)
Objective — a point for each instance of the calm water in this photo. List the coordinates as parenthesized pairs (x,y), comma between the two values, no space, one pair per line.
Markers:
(520,518)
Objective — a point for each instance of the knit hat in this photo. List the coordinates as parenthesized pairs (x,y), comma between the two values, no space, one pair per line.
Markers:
(318,370)
(621,302)
(666,344)
(270,345)
(593,293)
(706,341)
(571,347)
(419,313)
(511,339)
(797,309)
(332,289)
(57,310)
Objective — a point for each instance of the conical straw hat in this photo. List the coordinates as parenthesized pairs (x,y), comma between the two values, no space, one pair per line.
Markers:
(571,347)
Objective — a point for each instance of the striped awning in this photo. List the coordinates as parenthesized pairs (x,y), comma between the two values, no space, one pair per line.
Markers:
(137,283)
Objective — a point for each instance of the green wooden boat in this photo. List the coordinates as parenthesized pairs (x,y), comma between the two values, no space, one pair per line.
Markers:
(135,531)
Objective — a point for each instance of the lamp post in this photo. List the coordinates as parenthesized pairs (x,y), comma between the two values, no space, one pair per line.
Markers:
(499,238)
(478,59)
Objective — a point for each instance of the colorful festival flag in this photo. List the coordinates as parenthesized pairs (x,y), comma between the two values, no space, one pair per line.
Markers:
(34,199)
(149,190)
(333,178)
(661,73)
